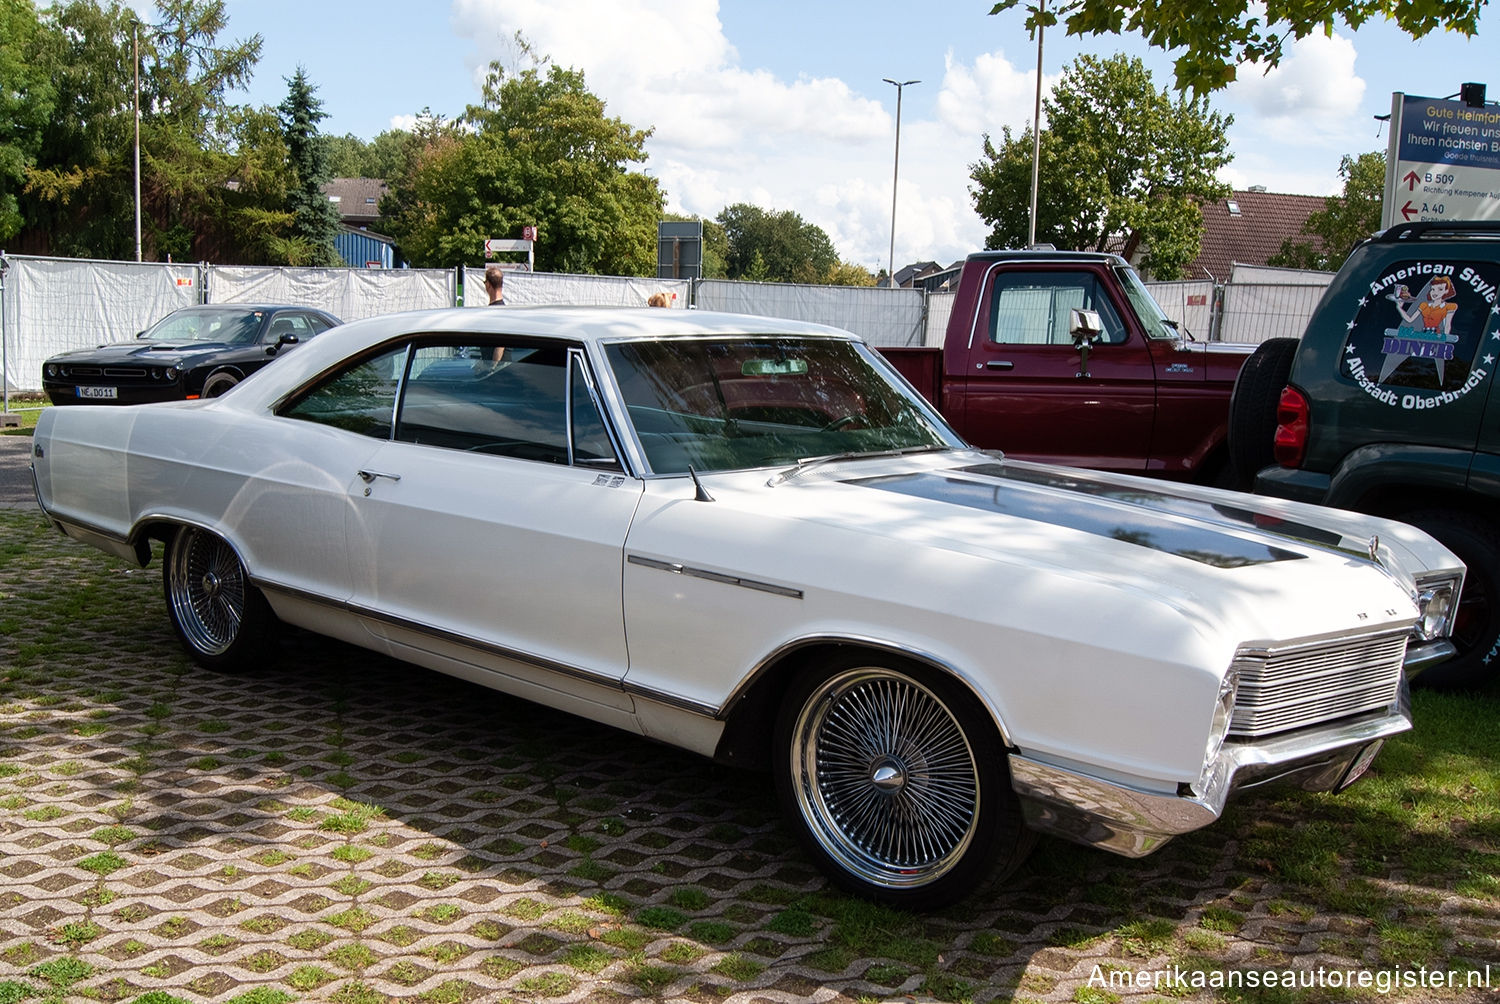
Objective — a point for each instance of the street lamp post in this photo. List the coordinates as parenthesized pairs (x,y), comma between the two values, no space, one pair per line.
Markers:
(895,173)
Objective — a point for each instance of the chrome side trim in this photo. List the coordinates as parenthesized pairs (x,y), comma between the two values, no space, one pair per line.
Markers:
(1133,822)
(703,573)
(485,648)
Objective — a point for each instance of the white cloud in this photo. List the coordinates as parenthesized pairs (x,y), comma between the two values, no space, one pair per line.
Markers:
(726,132)
(1313,91)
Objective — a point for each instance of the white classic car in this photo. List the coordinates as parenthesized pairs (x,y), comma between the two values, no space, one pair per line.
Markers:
(748,538)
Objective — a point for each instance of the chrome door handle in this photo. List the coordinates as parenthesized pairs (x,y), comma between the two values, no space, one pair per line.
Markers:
(370,476)
(1000,364)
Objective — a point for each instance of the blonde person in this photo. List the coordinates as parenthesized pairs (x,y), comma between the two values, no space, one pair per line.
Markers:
(658,300)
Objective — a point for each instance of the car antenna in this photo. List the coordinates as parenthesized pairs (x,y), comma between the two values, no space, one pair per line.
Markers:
(701,495)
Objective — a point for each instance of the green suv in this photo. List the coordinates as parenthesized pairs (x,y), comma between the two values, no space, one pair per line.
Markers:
(1388,405)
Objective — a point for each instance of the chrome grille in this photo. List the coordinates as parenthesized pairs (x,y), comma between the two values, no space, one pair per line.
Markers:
(1290,686)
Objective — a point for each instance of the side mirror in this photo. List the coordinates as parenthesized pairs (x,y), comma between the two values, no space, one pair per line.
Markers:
(286,339)
(1086,329)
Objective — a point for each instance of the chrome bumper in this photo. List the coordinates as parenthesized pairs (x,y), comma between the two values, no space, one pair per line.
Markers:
(1134,822)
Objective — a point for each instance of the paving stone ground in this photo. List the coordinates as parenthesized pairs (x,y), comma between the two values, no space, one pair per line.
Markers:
(335,826)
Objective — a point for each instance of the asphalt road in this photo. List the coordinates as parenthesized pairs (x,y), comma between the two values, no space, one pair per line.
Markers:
(15,473)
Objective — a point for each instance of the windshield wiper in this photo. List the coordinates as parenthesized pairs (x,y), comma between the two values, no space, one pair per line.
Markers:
(805,464)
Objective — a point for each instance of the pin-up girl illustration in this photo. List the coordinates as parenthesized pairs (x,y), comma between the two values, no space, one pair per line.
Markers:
(1431,318)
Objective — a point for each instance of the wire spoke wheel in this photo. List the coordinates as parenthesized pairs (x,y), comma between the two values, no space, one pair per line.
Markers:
(885,777)
(207,591)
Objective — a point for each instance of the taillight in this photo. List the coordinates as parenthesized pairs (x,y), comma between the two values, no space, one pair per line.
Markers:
(1291,428)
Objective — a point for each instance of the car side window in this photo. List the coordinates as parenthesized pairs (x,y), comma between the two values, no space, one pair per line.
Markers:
(359,399)
(503,399)
(317,324)
(591,442)
(287,324)
(1034,308)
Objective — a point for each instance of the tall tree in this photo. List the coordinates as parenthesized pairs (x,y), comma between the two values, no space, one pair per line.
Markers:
(315,220)
(1123,167)
(28,99)
(78,196)
(538,150)
(1344,220)
(1214,38)
(773,246)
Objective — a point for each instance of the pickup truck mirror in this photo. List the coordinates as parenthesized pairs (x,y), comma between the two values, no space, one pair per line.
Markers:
(1086,328)
(1084,325)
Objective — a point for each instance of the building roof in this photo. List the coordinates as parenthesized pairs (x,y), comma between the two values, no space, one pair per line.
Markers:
(1248,227)
(358,199)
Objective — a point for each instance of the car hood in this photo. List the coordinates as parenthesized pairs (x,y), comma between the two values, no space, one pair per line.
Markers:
(142,352)
(1254,568)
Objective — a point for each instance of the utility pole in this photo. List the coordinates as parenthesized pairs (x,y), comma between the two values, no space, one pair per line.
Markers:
(1036,129)
(135,45)
(895,173)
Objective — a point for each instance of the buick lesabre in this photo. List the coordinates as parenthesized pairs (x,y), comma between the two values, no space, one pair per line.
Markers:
(748,538)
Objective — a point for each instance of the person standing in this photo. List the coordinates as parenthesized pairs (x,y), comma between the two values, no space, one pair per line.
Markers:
(494,283)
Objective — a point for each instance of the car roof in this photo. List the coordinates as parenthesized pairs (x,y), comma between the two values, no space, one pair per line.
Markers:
(264,308)
(588,325)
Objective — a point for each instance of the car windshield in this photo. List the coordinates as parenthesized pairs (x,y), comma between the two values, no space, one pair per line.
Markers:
(759,401)
(234,325)
(1152,317)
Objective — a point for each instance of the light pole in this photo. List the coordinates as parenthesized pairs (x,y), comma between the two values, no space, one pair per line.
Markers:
(895,173)
(135,48)
(1036,131)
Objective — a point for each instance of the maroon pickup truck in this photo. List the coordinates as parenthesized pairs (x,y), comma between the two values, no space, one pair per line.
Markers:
(1064,357)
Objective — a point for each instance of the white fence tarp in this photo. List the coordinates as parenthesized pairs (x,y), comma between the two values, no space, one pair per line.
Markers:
(54,305)
(1190,304)
(939,309)
(528,289)
(881,316)
(1262,303)
(347,293)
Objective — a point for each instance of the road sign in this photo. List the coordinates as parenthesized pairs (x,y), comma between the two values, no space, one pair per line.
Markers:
(1442,161)
(495,245)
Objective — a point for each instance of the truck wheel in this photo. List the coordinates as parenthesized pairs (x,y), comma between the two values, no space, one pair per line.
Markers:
(895,780)
(219,616)
(1476,629)
(1252,407)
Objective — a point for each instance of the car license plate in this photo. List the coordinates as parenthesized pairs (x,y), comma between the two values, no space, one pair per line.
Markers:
(99,393)
(1360,765)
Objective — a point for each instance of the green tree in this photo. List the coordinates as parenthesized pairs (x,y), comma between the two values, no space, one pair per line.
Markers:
(197,148)
(1214,38)
(1344,220)
(538,150)
(387,156)
(315,220)
(28,99)
(848,273)
(771,246)
(1123,167)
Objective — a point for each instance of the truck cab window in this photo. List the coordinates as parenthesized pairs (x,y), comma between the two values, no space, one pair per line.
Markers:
(1032,308)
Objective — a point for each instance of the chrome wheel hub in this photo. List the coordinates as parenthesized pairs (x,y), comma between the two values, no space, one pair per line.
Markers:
(206,587)
(885,777)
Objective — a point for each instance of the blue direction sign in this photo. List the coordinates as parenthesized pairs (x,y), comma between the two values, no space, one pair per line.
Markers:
(1443,161)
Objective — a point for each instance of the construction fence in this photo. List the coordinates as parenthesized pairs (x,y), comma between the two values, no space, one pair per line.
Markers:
(54,305)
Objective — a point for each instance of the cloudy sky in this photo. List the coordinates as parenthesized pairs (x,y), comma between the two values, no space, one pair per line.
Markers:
(782,104)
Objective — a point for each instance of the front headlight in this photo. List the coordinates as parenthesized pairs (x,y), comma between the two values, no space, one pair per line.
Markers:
(1437,603)
(52,369)
(1223,714)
